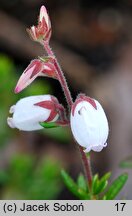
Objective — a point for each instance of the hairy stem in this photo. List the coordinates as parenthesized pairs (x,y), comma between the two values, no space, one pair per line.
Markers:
(87,167)
(60,75)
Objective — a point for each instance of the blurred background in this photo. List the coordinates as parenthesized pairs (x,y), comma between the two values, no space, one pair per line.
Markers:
(93,43)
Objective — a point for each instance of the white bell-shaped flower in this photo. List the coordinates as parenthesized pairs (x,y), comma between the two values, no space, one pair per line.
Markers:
(89,124)
(30,111)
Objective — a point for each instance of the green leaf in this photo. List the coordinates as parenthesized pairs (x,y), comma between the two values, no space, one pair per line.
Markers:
(116,186)
(103,182)
(105,177)
(95,183)
(73,187)
(82,183)
(99,185)
(49,124)
(127,163)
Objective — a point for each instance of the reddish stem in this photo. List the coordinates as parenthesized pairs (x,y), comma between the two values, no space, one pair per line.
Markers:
(60,75)
(87,167)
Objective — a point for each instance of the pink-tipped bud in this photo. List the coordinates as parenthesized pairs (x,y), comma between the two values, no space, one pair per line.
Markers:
(43,14)
(41,32)
(17,89)
(89,124)
(35,68)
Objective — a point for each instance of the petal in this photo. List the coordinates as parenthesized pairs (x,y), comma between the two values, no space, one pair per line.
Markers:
(10,122)
(49,70)
(44,14)
(12,109)
(32,31)
(31,72)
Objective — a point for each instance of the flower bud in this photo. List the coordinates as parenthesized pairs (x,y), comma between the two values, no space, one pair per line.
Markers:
(89,124)
(35,68)
(30,111)
(41,32)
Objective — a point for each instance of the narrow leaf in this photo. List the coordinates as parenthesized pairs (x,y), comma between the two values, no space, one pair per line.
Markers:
(116,186)
(105,177)
(82,183)
(72,186)
(103,182)
(95,183)
(101,187)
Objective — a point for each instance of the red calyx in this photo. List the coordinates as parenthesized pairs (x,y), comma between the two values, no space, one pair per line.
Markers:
(82,98)
(48,105)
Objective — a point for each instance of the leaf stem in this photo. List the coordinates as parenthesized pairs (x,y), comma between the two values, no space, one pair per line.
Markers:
(61,78)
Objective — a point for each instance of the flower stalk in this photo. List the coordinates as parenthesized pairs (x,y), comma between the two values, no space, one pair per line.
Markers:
(61,78)
(87,167)
(60,75)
